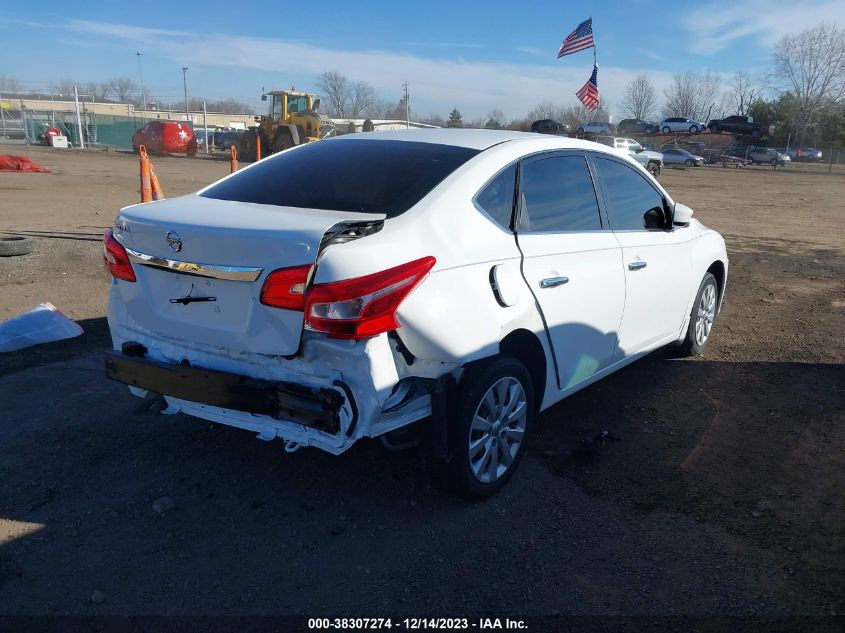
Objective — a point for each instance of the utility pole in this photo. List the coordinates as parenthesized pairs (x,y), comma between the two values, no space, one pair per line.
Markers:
(143,92)
(407,107)
(78,119)
(185,86)
(205,125)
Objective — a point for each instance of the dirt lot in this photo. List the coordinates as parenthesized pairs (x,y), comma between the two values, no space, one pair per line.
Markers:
(724,497)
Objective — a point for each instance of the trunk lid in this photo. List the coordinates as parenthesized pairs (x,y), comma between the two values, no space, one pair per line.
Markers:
(220,252)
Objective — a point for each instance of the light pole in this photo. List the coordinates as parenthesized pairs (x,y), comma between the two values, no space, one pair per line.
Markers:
(407,107)
(143,92)
(185,86)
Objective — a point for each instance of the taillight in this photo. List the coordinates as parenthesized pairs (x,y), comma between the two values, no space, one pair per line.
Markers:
(285,288)
(115,258)
(363,306)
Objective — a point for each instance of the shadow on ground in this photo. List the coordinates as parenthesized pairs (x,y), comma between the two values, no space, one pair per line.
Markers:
(719,498)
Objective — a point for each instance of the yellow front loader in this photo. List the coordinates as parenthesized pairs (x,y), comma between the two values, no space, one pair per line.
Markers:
(293,119)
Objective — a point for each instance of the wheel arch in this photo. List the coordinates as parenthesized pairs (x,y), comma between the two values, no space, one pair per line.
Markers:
(717,269)
(527,348)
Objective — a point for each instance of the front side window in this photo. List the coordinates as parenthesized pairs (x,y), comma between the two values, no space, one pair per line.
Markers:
(277,107)
(631,202)
(297,104)
(557,195)
(496,199)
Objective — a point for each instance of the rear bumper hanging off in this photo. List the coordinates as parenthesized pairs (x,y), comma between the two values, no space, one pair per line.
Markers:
(318,408)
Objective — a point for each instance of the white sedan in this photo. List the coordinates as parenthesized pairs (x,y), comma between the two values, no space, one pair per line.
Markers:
(348,288)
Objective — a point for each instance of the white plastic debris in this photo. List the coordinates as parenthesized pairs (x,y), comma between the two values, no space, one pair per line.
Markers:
(43,324)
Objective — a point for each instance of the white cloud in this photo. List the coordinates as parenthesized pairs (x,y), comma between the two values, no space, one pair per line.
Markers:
(532,50)
(715,26)
(443,44)
(437,85)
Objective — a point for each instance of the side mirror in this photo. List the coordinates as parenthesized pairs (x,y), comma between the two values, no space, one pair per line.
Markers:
(682,214)
(654,218)
(316,104)
(264,97)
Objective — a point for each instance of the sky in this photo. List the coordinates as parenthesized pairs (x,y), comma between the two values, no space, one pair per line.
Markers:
(475,57)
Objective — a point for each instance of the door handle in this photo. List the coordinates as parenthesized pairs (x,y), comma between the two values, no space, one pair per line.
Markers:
(553,282)
(636,265)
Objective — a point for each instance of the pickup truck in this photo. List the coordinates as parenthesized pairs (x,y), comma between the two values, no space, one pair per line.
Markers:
(737,124)
(651,161)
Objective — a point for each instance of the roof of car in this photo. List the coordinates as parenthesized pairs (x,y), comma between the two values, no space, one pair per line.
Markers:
(459,137)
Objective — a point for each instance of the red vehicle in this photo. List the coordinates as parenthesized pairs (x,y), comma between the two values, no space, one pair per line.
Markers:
(165,137)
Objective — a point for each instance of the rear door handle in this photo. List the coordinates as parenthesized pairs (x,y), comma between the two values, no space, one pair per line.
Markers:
(553,282)
(636,265)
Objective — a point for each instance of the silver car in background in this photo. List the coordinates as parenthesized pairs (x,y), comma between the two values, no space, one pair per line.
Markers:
(681,157)
(595,127)
(681,124)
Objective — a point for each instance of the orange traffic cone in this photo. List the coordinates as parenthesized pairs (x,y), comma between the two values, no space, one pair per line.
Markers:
(158,193)
(146,187)
(257,146)
(233,165)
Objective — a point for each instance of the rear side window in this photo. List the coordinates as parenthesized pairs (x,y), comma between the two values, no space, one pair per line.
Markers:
(363,176)
(557,195)
(628,197)
(496,199)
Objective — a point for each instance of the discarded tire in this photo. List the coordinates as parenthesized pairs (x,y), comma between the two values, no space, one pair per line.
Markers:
(16,245)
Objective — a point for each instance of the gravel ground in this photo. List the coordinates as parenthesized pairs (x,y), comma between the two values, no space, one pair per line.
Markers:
(723,498)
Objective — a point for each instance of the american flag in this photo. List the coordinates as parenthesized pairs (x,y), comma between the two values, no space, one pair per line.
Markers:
(589,93)
(581,38)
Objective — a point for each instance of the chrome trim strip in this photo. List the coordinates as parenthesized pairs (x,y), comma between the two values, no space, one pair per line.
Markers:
(231,273)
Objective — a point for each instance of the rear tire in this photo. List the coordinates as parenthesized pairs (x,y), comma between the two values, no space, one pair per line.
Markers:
(488,426)
(702,316)
(246,151)
(653,169)
(666,129)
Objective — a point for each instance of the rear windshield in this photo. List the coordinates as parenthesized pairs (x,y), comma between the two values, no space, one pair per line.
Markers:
(365,176)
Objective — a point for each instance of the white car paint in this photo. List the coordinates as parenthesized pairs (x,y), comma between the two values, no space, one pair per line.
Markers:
(605,317)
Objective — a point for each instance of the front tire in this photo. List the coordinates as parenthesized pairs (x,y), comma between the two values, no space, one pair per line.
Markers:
(666,129)
(488,426)
(693,129)
(702,316)
(653,169)
(689,162)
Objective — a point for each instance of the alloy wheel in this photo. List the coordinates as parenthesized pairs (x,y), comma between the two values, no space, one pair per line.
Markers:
(706,314)
(497,430)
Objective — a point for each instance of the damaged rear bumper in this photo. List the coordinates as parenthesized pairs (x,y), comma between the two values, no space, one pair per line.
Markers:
(313,407)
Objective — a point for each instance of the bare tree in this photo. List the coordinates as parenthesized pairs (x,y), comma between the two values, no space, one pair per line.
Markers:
(94,90)
(434,119)
(122,90)
(398,112)
(335,88)
(7,84)
(545,110)
(692,95)
(362,96)
(495,120)
(640,98)
(742,92)
(811,66)
(378,109)
(63,87)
